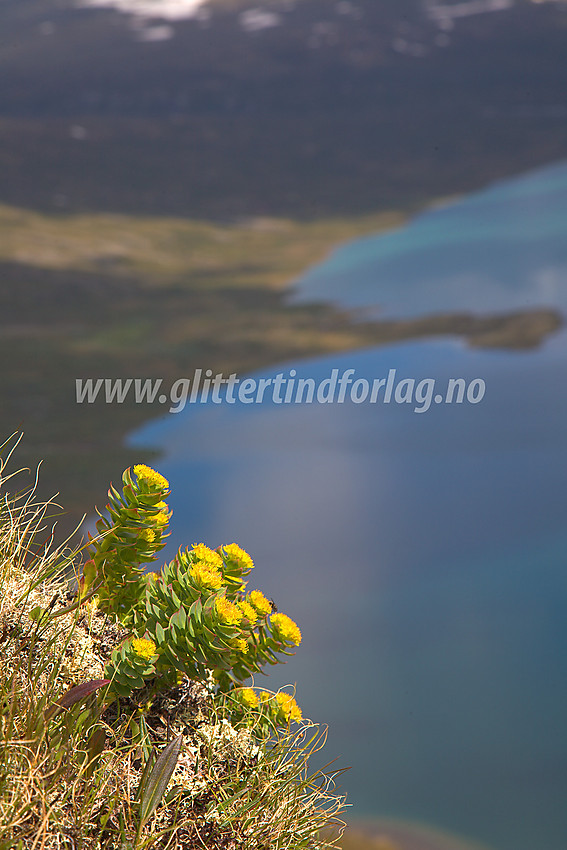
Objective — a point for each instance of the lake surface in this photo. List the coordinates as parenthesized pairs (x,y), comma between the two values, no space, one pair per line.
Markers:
(424,555)
(501,249)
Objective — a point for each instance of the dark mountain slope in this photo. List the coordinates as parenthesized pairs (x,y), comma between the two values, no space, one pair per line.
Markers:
(326,113)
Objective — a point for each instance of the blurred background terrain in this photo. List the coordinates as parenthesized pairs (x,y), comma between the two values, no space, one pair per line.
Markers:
(174,177)
(260,136)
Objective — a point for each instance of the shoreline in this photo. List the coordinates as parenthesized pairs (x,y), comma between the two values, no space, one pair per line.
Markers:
(394,834)
(78,313)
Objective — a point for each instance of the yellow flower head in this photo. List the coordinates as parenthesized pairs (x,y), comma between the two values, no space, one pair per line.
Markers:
(161,521)
(227,612)
(259,602)
(288,709)
(145,648)
(247,697)
(240,644)
(162,518)
(206,576)
(249,612)
(204,555)
(284,628)
(265,697)
(148,535)
(234,553)
(152,478)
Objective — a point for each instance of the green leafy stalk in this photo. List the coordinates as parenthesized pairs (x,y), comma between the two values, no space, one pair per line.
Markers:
(153,787)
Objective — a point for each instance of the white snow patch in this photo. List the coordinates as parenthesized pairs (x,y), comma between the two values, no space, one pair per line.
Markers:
(411,48)
(167,10)
(78,132)
(441,12)
(253,20)
(345,7)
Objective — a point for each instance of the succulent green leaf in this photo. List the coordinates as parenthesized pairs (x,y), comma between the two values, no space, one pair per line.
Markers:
(179,620)
(37,613)
(196,610)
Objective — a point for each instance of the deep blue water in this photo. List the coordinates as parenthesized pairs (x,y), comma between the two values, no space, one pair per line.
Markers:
(424,555)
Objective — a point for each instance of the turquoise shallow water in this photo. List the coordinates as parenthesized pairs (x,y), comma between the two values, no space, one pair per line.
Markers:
(425,556)
(500,249)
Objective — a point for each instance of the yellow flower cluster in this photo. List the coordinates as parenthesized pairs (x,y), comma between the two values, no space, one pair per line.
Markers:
(148,535)
(151,477)
(240,644)
(227,612)
(282,706)
(249,612)
(259,602)
(162,518)
(206,576)
(248,698)
(208,556)
(288,708)
(233,552)
(144,647)
(284,628)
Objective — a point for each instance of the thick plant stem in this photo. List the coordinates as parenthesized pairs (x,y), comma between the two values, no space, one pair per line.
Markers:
(77,604)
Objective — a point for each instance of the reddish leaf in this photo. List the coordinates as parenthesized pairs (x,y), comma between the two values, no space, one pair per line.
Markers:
(75,695)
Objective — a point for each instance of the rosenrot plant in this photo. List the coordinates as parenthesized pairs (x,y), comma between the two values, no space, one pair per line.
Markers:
(196,617)
(129,536)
